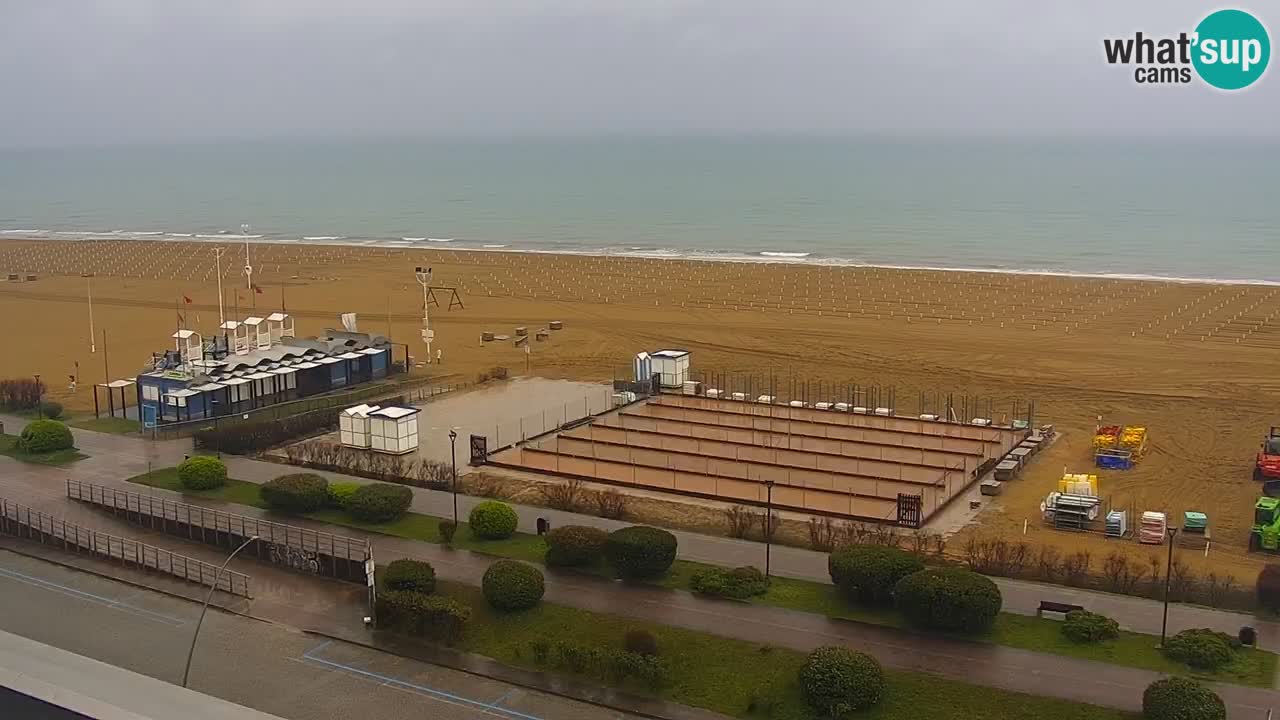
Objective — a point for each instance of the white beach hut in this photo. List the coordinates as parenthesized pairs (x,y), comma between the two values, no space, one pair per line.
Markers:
(394,430)
(642,367)
(353,425)
(672,366)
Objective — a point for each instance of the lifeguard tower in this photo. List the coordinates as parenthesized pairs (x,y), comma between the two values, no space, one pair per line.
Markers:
(280,326)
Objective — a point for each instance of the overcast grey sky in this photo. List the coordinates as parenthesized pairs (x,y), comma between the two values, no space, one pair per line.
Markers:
(118,71)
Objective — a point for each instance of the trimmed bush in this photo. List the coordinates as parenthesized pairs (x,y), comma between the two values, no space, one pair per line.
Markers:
(837,681)
(202,472)
(575,545)
(640,552)
(640,642)
(738,583)
(380,502)
(51,409)
(1201,648)
(869,573)
(1086,627)
(493,520)
(1179,698)
(509,585)
(427,616)
(45,436)
(1269,587)
(296,494)
(411,575)
(340,494)
(948,599)
(447,529)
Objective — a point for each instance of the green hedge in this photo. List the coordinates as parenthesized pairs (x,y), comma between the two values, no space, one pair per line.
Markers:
(45,436)
(380,502)
(1086,627)
(869,573)
(575,546)
(837,681)
(510,585)
(432,617)
(340,494)
(493,520)
(1202,648)
(1179,698)
(737,583)
(640,552)
(51,409)
(296,494)
(414,575)
(948,599)
(202,472)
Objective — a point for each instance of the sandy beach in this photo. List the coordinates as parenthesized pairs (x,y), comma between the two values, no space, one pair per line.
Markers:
(1195,363)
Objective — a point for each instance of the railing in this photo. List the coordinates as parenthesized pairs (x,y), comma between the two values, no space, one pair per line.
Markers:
(22,521)
(297,548)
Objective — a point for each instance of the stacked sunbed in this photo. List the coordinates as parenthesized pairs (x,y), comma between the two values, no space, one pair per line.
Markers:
(1152,528)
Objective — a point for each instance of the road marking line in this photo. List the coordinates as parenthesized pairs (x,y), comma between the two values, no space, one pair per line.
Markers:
(490,708)
(506,696)
(90,597)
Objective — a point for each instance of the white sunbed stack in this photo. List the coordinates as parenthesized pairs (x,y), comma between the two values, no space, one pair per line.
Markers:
(1117,523)
(1152,529)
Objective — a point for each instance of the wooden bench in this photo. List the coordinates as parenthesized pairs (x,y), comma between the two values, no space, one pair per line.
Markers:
(1057,607)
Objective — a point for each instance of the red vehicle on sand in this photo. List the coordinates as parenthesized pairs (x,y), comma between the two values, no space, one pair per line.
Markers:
(1267,466)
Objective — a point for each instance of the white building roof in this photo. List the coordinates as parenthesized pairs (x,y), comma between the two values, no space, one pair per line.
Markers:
(116,384)
(395,413)
(230,325)
(327,360)
(183,334)
(235,381)
(260,376)
(306,365)
(350,356)
(361,410)
(671,353)
(284,371)
(207,387)
(372,351)
(277,317)
(252,320)
(182,393)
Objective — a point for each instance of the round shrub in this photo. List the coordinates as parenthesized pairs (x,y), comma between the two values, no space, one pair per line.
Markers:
(868,573)
(45,436)
(1268,586)
(446,530)
(640,552)
(492,520)
(202,472)
(51,409)
(640,642)
(432,617)
(837,681)
(380,502)
(340,494)
(410,575)
(737,583)
(948,599)
(296,494)
(1201,648)
(575,545)
(1086,627)
(1179,698)
(509,585)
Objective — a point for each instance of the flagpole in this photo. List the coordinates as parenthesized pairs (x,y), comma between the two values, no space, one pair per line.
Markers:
(89,283)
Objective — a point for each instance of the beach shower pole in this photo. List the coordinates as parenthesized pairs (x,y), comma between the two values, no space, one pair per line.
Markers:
(217,255)
(248,269)
(89,284)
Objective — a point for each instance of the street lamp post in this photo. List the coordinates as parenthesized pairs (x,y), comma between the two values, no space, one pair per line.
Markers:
(424,279)
(1168,570)
(205,608)
(453,452)
(768,526)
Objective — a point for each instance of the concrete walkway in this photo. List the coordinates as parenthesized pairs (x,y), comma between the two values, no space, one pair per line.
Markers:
(985,664)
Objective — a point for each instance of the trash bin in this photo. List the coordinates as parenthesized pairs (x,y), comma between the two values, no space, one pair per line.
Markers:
(543,526)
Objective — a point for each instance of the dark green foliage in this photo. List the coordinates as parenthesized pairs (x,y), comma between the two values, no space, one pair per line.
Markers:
(432,617)
(202,472)
(640,642)
(1179,698)
(640,552)
(604,664)
(245,437)
(51,409)
(1269,587)
(296,494)
(737,583)
(948,599)
(493,520)
(44,436)
(413,575)
(1087,627)
(447,529)
(575,545)
(869,573)
(1202,648)
(837,681)
(510,585)
(380,502)
(340,494)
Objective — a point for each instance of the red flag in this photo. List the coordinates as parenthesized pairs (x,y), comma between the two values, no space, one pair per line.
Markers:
(186,299)
(181,320)
(257,289)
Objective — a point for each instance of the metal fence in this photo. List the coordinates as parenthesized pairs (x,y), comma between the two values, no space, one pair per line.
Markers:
(290,546)
(506,433)
(22,521)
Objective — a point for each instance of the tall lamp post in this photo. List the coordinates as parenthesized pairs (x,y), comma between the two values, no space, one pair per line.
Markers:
(424,279)
(453,452)
(768,526)
(205,608)
(1168,570)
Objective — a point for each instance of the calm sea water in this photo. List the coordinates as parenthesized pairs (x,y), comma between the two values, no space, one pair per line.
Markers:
(1162,209)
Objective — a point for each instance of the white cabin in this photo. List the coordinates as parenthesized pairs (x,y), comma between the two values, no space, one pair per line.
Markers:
(394,430)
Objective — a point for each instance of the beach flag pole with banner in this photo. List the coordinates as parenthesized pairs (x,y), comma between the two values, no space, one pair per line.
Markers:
(424,279)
